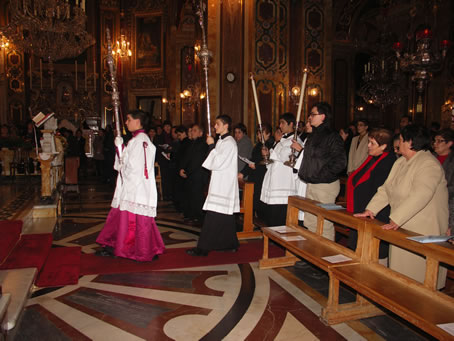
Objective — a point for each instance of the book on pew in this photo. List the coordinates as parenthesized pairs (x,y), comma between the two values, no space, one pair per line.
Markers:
(282,229)
(330,207)
(447,327)
(430,239)
(337,258)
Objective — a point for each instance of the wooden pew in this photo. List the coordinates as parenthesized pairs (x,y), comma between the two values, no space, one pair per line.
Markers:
(419,303)
(247,208)
(315,246)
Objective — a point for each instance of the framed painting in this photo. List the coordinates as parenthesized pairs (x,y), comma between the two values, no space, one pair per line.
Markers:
(149,42)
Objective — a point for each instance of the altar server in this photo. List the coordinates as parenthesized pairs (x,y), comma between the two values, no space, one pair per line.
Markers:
(279,182)
(219,229)
(130,230)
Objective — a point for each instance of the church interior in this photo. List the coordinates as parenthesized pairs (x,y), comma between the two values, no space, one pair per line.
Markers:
(71,71)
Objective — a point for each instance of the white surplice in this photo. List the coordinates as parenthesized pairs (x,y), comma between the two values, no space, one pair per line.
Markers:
(279,182)
(223,193)
(136,188)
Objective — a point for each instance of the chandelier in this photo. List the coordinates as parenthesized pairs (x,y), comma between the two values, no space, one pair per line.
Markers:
(381,79)
(423,62)
(50,29)
(122,48)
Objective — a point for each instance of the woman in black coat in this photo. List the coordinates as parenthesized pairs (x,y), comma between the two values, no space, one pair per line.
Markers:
(363,183)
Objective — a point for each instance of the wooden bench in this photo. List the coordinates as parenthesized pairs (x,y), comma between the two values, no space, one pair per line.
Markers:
(315,246)
(419,303)
(247,208)
(18,283)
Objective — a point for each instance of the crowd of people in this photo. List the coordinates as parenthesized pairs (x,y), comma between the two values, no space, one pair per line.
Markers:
(403,184)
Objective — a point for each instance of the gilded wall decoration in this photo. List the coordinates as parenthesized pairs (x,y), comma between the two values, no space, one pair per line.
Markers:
(343,24)
(313,34)
(110,3)
(271,65)
(147,81)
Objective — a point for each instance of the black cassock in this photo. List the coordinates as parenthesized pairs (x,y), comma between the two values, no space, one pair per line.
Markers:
(197,178)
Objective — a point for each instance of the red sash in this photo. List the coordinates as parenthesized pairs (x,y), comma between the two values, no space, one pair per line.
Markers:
(364,177)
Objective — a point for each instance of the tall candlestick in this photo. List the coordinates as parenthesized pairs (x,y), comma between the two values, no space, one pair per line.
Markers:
(85,74)
(94,74)
(75,65)
(41,73)
(31,74)
(300,103)
(254,91)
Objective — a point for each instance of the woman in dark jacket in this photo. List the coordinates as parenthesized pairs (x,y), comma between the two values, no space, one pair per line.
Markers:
(363,183)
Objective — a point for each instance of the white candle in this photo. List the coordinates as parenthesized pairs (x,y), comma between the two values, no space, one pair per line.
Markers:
(31,74)
(85,75)
(75,65)
(254,91)
(82,5)
(300,103)
(41,73)
(365,68)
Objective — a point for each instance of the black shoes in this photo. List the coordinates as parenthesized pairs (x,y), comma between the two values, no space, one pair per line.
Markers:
(105,252)
(230,250)
(197,252)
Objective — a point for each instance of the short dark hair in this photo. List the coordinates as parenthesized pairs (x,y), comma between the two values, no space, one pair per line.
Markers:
(226,119)
(166,122)
(406,116)
(288,117)
(241,127)
(181,129)
(447,134)
(201,127)
(364,120)
(435,125)
(418,135)
(383,136)
(141,115)
(325,109)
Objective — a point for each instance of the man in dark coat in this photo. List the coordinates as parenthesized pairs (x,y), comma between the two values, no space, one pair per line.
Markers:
(196,176)
(324,161)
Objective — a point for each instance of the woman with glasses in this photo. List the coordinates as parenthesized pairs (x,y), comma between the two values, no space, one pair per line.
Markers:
(443,146)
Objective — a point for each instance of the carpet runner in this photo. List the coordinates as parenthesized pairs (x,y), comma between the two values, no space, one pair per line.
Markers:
(176,258)
(56,266)
(61,268)
(10,232)
(30,252)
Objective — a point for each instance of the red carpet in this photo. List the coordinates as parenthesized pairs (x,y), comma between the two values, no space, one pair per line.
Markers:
(248,252)
(61,268)
(10,231)
(30,252)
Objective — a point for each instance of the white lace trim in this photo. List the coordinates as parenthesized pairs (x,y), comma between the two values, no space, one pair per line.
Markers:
(134,207)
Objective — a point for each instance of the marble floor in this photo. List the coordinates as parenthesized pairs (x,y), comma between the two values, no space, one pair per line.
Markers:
(224,302)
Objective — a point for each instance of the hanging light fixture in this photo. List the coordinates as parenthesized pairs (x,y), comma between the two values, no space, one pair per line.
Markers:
(49,29)
(122,48)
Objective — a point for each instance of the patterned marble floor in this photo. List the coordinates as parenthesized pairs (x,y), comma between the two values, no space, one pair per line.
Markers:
(226,302)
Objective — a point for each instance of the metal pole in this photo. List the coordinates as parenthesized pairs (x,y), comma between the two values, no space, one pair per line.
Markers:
(115,93)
